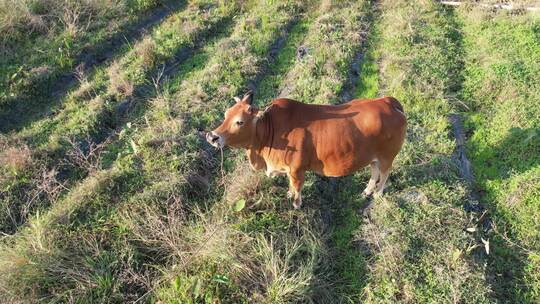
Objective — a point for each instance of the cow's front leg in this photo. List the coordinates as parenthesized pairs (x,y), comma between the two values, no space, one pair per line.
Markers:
(296,181)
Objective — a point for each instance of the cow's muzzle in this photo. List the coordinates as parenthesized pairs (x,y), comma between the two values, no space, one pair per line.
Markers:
(214,139)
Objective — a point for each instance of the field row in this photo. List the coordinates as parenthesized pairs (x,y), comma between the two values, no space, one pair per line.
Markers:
(88,207)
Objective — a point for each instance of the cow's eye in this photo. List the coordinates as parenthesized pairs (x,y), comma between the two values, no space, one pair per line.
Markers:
(239,123)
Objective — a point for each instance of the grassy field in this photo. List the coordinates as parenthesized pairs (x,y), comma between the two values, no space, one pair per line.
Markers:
(110,194)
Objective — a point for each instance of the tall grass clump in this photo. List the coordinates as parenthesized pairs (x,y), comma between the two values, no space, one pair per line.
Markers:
(499,89)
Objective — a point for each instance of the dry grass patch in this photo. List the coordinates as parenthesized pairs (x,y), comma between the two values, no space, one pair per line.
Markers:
(86,154)
(284,268)
(193,246)
(243,183)
(146,51)
(86,88)
(15,158)
(16,16)
(25,184)
(202,247)
(118,82)
(25,17)
(43,257)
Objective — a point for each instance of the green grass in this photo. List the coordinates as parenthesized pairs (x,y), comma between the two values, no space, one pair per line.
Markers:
(273,78)
(368,82)
(68,33)
(337,272)
(500,86)
(78,216)
(135,69)
(272,221)
(349,255)
(320,75)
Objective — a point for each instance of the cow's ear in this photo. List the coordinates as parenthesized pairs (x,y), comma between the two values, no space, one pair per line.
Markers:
(248,98)
(252,109)
(262,113)
(237,99)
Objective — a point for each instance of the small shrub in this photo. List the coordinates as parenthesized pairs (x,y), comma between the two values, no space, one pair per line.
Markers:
(86,155)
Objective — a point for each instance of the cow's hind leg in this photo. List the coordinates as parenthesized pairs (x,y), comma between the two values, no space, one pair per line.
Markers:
(375,172)
(296,181)
(385,168)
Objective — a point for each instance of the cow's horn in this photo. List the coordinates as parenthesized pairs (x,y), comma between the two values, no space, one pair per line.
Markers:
(237,99)
(248,98)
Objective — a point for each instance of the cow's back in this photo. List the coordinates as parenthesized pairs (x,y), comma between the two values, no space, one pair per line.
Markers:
(336,140)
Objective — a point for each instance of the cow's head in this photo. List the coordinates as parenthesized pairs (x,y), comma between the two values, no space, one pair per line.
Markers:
(239,127)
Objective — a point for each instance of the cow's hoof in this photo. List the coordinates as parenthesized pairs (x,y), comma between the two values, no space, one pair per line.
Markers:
(297,203)
(366,194)
(290,194)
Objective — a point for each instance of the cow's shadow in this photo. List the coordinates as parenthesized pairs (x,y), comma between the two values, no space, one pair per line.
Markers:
(338,205)
(517,153)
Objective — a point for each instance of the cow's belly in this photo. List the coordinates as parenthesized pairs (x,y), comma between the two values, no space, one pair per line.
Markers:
(275,170)
(345,162)
(334,169)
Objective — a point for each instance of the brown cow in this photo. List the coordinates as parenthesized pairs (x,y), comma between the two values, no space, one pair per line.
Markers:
(290,137)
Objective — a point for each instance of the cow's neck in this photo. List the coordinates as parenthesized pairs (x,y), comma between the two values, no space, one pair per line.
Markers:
(262,143)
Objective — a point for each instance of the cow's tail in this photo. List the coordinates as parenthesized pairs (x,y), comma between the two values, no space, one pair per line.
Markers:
(395,104)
